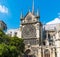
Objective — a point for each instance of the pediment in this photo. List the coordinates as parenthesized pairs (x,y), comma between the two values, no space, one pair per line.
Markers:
(30,18)
(29,15)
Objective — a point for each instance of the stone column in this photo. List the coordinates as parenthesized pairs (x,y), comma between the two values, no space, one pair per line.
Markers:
(53,52)
(58,51)
(39,52)
(47,40)
(50,52)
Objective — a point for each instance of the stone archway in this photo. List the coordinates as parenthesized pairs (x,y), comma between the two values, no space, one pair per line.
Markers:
(28,53)
(46,53)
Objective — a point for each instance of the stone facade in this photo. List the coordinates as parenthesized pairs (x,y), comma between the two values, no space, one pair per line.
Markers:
(3,26)
(40,40)
(32,32)
(14,32)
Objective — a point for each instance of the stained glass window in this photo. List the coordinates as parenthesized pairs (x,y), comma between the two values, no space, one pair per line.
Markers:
(29,31)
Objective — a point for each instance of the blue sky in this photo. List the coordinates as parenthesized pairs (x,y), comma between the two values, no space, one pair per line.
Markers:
(10,10)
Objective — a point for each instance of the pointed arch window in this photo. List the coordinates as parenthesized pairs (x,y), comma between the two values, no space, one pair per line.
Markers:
(46,53)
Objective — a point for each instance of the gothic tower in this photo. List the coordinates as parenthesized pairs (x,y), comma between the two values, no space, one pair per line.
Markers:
(31,30)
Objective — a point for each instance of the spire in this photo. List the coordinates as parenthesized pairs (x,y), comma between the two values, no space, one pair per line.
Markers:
(21,16)
(33,7)
(37,13)
(47,41)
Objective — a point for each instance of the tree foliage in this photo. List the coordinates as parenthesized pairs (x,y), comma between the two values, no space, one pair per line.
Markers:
(10,46)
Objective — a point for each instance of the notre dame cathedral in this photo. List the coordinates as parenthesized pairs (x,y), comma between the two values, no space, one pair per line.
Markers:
(40,40)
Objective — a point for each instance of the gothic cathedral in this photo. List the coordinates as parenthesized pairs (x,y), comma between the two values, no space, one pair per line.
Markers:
(32,32)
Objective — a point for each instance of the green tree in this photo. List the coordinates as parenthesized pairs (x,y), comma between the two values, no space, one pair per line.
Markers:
(13,52)
(18,43)
(1,33)
(10,46)
(4,50)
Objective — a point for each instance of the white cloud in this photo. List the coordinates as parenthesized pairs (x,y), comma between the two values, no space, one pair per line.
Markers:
(3,9)
(55,21)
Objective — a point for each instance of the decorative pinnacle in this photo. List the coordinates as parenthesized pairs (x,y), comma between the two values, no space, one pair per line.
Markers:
(47,35)
(47,41)
(21,16)
(37,13)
